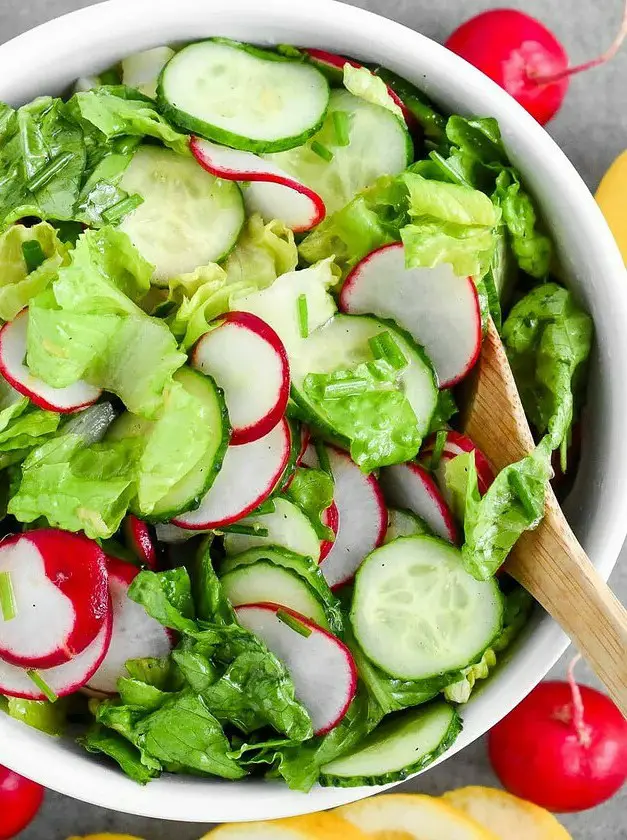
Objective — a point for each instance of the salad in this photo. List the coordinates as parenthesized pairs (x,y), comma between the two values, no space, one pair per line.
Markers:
(243,533)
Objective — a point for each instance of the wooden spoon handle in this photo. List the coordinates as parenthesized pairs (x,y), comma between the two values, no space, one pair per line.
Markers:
(564,581)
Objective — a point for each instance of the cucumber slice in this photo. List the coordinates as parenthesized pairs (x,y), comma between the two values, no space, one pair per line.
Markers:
(243,96)
(287,526)
(305,567)
(188,217)
(188,492)
(142,70)
(379,144)
(417,613)
(264,582)
(397,748)
(404,523)
(343,342)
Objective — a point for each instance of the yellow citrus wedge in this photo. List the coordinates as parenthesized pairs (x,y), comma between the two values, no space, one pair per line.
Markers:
(322,826)
(406,816)
(507,816)
(612,199)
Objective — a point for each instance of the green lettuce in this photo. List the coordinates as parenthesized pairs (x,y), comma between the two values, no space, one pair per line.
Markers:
(362,83)
(17,284)
(263,253)
(312,490)
(102,740)
(42,160)
(366,405)
(548,339)
(77,488)
(47,717)
(514,503)
(22,424)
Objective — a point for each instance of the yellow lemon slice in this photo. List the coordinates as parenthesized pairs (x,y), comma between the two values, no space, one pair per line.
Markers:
(612,199)
(323,826)
(507,816)
(406,816)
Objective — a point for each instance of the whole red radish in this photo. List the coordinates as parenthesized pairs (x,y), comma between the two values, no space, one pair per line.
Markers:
(564,747)
(20,799)
(524,57)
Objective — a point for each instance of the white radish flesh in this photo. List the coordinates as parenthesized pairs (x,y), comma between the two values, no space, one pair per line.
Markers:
(440,310)
(12,366)
(135,634)
(59,584)
(321,667)
(412,487)
(247,359)
(249,475)
(362,517)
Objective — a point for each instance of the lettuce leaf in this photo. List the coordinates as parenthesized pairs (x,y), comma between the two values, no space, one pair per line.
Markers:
(263,253)
(42,160)
(367,406)
(47,717)
(363,83)
(548,339)
(312,490)
(513,504)
(17,284)
(77,488)
(99,739)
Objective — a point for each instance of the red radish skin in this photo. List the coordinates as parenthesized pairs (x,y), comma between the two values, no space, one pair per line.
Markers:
(140,540)
(59,581)
(321,666)
(296,204)
(249,476)
(362,516)
(524,57)
(330,518)
(564,747)
(337,62)
(305,438)
(259,348)
(63,679)
(135,634)
(20,800)
(12,354)
(429,303)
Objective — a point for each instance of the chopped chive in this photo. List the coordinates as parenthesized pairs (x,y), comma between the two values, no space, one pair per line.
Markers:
(384,347)
(322,151)
(564,451)
(293,623)
(303,316)
(245,530)
(114,214)
(438,449)
(323,457)
(264,508)
(8,606)
(41,684)
(349,388)
(341,128)
(33,254)
(522,491)
(48,172)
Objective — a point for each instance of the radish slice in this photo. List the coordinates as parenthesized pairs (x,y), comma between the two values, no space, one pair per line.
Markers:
(12,366)
(410,486)
(362,516)
(59,582)
(135,634)
(64,679)
(457,444)
(331,518)
(305,437)
(336,62)
(440,310)
(249,474)
(248,361)
(321,667)
(139,539)
(270,191)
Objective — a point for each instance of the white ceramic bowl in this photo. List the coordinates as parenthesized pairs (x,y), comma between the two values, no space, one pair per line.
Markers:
(50,57)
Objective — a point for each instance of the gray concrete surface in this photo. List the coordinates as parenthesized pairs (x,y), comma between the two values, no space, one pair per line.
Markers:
(592,130)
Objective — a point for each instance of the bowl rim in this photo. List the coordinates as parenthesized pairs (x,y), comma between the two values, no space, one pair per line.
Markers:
(142,24)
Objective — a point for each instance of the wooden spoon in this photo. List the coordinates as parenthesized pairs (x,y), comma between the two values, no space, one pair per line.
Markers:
(548,562)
